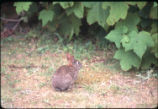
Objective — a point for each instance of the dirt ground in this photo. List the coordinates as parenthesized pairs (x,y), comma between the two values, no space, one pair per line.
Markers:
(26,82)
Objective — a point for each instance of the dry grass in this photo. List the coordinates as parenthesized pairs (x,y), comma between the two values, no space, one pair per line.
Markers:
(96,87)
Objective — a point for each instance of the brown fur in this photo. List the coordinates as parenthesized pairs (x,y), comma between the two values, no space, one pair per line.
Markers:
(65,76)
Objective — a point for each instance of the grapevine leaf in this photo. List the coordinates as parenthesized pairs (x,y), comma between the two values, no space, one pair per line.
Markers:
(147,60)
(122,28)
(97,14)
(125,39)
(22,6)
(153,13)
(78,10)
(76,23)
(138,42)
(88,4)
(155,48)
(154,28)
(131,3)
(69,26)
(46,16)
(139,4)
(127,59)
(64,4)
(117,35)
(117,11)
(130,22)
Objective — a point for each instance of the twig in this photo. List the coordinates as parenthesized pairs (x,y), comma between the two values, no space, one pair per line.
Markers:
(14,28)
(11,20)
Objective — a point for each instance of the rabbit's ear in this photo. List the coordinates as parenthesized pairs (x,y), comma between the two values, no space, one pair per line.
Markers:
(68,55)
(70,58)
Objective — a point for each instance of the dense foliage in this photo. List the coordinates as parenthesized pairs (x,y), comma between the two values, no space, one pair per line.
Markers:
(132,26)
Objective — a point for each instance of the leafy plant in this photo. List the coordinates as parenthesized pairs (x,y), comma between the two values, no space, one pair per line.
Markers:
(22,6)
(127,59)
(115,9)
(132,45)
(130,25)
(43,14)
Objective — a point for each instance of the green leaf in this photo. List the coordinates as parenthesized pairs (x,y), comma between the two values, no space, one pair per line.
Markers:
(75,23)
(117,11)
(88,4)
(117,35)
(153,13)
(155,48)
(97,14)
(22,6)
(130,22)
(78,10)
(139,4)
(125,39)
(64,4)
(147,60)
(138,42)
(123,27)
(46,16)
(154,28)
(69,26)
(127,59)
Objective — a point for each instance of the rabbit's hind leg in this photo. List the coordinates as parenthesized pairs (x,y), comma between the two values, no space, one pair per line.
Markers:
(71,86)
(57,89)
(60,89)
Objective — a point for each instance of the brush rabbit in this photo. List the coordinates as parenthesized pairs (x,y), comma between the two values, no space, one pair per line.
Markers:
(65,76)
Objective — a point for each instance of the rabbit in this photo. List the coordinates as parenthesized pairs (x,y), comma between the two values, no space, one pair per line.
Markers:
(65,76)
